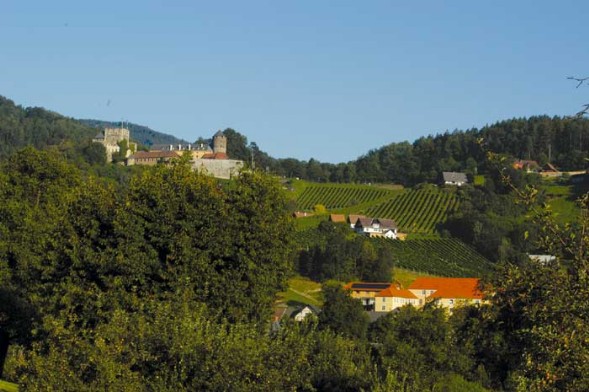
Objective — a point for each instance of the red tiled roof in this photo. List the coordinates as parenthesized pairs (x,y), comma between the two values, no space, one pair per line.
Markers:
(449,287)
(337,218)
(393,291)
(216,155)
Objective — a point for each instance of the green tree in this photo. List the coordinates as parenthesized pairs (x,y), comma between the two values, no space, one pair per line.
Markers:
(342,313)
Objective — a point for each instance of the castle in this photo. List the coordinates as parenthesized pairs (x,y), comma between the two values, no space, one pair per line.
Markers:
(204,158)
(111,139)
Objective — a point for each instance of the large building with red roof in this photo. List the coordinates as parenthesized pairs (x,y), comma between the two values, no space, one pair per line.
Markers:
(447,292)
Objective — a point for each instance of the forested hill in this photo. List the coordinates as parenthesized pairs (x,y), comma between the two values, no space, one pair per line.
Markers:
(563,142)
(33,126)
(139,133)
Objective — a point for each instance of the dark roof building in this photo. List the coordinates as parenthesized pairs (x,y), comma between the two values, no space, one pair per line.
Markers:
(454,178)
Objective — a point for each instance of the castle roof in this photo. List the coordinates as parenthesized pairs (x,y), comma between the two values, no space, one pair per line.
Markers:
(219,133)
(216,155)
(99,135)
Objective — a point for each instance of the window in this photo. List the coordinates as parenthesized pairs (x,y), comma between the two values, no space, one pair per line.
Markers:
(451,301)
(383,307)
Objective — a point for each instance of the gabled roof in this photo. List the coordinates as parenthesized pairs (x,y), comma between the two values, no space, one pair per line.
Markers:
(393,291)
(386,223)
(449,287)
(352,218)
(364,222)
(454,177)
(367,286)
(219,133)
(337,218)
(99,135)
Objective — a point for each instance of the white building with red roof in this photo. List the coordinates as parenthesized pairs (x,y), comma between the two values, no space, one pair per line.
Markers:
(447,292)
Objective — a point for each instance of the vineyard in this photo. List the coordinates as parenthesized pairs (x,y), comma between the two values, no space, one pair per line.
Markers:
(417,211)
(340,195)
(444,257)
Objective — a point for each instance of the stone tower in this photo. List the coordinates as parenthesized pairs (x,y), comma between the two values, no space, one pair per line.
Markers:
(219,143)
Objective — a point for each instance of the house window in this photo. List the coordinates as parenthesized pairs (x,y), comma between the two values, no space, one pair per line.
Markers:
(423,292)
(384,299)
(451,302)
(383,307)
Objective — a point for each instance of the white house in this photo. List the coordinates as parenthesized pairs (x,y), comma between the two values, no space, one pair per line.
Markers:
(376,227)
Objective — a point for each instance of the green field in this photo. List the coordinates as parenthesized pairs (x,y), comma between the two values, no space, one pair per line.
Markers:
(443,257)
(417,211)
(561,199)
(337,196)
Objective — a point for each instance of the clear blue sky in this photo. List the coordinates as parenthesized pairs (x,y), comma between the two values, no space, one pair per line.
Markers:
(323,79)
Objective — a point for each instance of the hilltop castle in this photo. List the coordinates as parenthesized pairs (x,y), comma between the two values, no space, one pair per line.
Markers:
(211,159)
(111,139)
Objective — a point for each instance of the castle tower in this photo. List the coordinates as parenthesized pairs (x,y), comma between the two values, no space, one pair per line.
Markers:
(219,143)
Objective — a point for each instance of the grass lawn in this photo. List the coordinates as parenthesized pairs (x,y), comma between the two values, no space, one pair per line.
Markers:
(564,210)
(310,222)
(6,386)
(302,290)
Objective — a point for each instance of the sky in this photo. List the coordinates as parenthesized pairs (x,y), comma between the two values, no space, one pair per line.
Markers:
(328,80)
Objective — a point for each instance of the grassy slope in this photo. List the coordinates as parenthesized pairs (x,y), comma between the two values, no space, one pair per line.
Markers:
(302,290)
(6,386)
(406,277)
(561,199)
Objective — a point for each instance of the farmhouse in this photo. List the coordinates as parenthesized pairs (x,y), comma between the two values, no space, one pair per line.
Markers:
(352,219)
(454,178)
(447,292)
(394,297)
(376,227)
(366,292)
